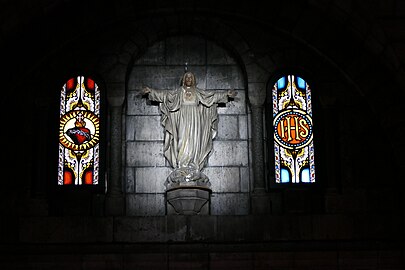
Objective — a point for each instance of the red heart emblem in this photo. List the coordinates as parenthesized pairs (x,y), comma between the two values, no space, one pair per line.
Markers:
(79,135)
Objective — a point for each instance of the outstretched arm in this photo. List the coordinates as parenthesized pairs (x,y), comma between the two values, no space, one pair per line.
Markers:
(154,95)
(210,97)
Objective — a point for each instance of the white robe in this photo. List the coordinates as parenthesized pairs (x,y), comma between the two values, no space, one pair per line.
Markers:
(190,126)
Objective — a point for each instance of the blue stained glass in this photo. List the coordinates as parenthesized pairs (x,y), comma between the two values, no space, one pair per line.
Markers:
(285,176)
(299,168)
(301,83)
(281,83)
(305,175)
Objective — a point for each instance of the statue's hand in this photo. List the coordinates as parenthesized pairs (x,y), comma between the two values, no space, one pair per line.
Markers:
(232,93)
(145,90)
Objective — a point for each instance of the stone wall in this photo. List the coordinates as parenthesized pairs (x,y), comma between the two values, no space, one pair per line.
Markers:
(351,52)
(146,169)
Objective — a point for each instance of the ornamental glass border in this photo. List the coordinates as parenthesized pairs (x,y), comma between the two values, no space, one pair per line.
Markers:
(294,155)
(79,132)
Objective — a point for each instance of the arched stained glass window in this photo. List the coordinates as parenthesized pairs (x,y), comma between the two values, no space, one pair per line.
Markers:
(79,132)
(294,155)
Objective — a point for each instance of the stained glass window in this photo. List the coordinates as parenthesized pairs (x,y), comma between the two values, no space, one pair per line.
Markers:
(294,155)
(79,132)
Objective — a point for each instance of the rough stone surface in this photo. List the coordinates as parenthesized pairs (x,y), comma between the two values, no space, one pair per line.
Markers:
(229,153)
(145,154)
(145,204)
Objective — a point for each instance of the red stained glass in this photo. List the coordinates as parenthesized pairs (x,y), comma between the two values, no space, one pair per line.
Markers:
(70,84)
(90,84)
(68,177)
(88,176)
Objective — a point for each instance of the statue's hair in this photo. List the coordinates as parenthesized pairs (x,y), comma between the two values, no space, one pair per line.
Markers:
(184,76)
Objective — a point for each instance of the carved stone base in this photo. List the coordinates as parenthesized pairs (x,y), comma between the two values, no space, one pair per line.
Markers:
(188,200)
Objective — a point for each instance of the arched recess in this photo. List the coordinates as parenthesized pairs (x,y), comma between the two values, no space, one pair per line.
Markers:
(77,170)
(118,59)
(228,165)
(294,145)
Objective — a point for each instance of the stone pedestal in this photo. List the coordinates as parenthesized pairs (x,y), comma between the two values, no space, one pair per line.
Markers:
(188,200)
(188,192)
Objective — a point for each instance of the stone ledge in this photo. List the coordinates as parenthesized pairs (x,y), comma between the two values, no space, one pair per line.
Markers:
(188,200)
(207,228)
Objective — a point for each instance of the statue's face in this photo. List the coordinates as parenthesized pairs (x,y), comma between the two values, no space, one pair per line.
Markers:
(188,80)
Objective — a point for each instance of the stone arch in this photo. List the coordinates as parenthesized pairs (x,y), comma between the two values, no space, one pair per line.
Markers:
(134,38)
